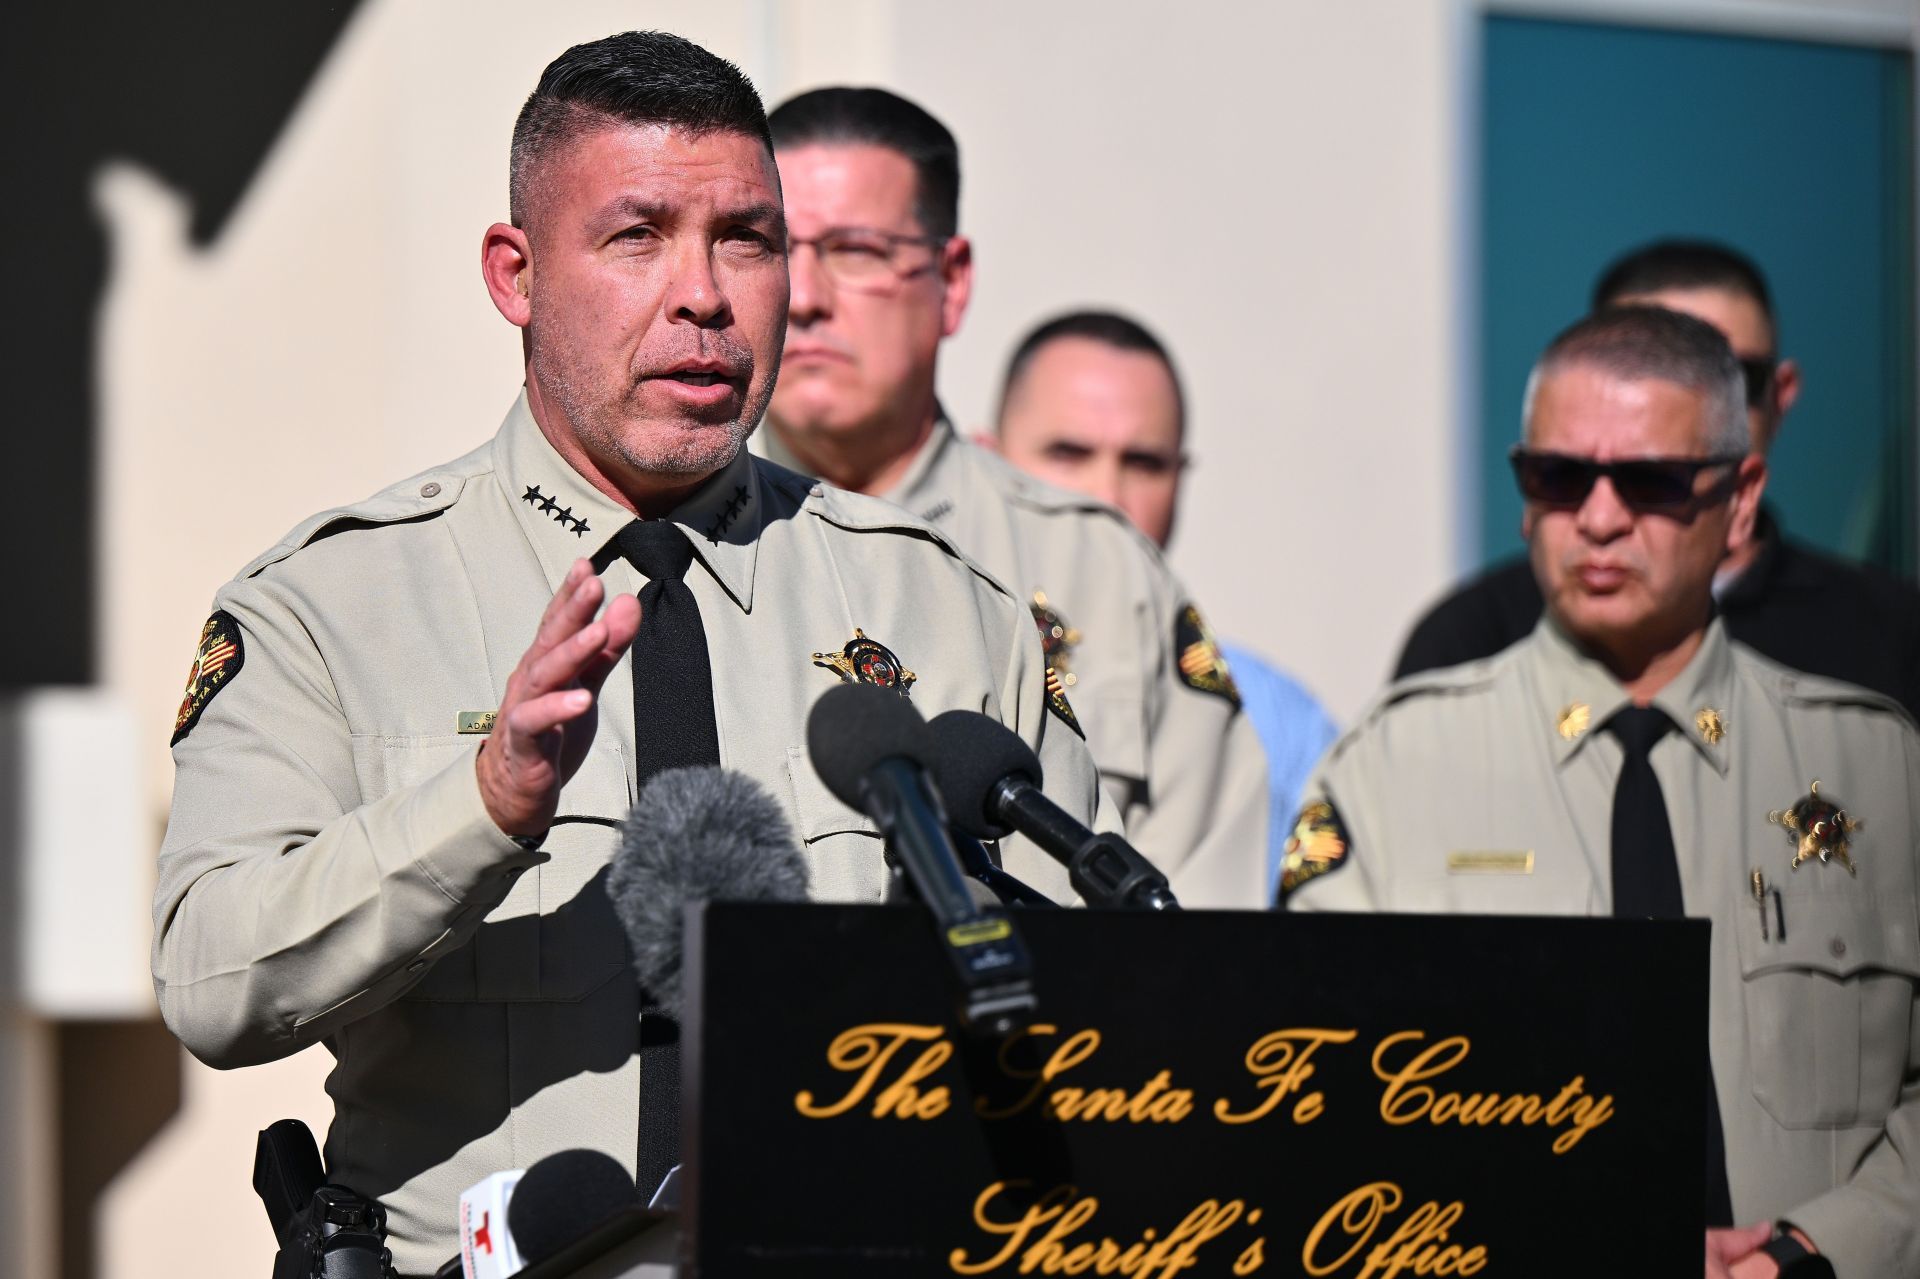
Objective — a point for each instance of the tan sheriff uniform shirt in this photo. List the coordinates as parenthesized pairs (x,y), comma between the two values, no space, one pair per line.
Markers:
(330,875)
(1146,679)
(1814,1036)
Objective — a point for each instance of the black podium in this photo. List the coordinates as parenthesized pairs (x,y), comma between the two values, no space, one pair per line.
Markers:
(1206,1093)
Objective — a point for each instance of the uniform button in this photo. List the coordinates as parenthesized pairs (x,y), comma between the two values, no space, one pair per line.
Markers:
(416,965)
(430,489)
(1838,947)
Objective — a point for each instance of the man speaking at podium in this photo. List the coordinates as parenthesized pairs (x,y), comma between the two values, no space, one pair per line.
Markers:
(410,725)
(1628,759)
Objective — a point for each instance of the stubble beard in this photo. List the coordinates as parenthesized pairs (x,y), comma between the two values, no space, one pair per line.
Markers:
(604,419)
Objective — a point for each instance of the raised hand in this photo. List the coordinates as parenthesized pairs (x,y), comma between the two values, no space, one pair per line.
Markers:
(550,712)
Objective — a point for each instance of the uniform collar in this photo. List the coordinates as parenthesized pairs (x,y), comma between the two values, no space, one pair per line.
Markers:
(925,489)
(1575,695)
(563,517)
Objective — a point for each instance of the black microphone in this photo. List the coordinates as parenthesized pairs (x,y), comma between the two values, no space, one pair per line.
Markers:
(696,834)
(869,746)
(991,781)
(982,869)
(564,1198)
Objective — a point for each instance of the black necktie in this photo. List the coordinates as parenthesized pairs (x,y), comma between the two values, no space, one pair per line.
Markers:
(1646,885)
(673,727)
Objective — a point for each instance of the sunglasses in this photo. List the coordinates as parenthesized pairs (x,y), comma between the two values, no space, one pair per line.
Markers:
(1758,372)
(1662,485)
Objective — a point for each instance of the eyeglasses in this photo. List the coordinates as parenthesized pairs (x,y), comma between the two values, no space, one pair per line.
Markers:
(1659,485)
(1758,371)
(865,258)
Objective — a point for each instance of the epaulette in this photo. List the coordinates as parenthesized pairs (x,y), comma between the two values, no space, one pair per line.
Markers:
(1036,494)
(1801,688)
(863,514)
(1468,677)
(415,497)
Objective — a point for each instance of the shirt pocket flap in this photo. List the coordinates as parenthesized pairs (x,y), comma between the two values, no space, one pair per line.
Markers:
(1840,933)
(816,813)
(1829,1005)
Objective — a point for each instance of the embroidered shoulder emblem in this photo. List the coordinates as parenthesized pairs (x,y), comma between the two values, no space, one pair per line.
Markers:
(215,662)
(1202,665)
(1057,703)
(868,661)
(1318,845)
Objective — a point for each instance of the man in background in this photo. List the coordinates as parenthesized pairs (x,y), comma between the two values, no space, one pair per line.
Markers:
(881,276)
(1091,402)
(1642,765)
(1802,608)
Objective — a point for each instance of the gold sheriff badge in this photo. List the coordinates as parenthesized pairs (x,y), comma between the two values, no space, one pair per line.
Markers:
(868,661)
(1818,828)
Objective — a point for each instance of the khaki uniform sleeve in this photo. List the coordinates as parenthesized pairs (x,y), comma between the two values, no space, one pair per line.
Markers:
(1203,818)
(287,906)
(1327,863)
(1871,1224)
(1206,825)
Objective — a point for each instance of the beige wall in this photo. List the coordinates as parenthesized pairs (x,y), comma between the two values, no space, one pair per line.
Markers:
(1276,187)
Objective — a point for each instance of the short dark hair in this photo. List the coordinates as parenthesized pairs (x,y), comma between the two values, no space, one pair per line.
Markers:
(874,117)
(635,77)
(1682,264)
(1106,327)
(1635,342)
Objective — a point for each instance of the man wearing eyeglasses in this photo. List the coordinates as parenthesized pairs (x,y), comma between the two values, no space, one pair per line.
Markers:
(1640,763)
(880,277)
(1869,629)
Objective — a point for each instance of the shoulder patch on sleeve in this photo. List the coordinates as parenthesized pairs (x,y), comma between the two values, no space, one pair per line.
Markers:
(1057,703)
(1317,846)
(215,663)
(1203,666)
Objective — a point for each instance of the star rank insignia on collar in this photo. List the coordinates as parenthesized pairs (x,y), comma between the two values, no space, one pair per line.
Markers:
(1203,666)
(215,662)
(1818,827)
(725,517)
(1058,638)
(546,505)
(1573,720)
(868,661)
(1318,845)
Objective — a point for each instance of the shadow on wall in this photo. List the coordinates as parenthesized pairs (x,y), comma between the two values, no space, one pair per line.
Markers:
(199,96)
(120,1083)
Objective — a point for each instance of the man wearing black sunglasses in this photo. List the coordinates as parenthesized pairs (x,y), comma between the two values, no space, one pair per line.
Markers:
(1642,764)
(1869,627)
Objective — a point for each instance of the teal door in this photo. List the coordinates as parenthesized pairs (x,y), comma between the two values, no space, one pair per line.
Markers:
(1599,138)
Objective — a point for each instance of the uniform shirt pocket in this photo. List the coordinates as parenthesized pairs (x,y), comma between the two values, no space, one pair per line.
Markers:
(1829,1006)
(554,937)
(845,858)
